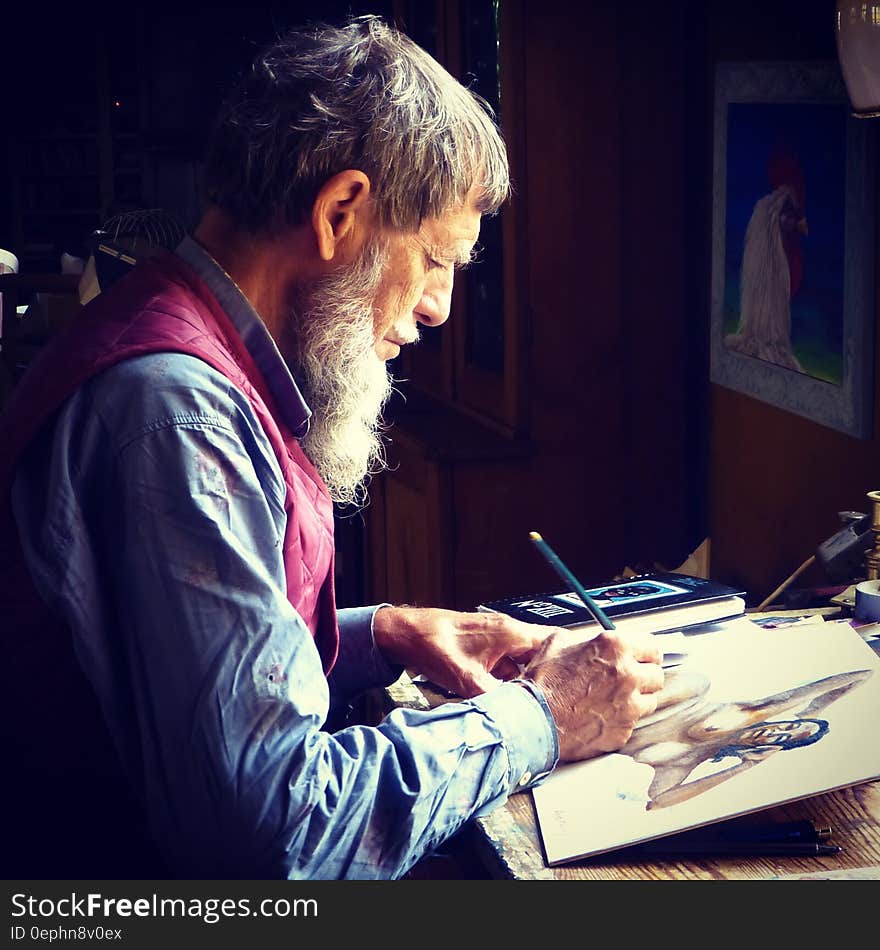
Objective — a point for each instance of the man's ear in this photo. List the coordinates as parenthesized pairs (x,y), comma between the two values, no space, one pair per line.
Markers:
(339,211)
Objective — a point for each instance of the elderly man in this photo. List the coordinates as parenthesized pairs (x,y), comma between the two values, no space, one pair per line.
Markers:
(175,655)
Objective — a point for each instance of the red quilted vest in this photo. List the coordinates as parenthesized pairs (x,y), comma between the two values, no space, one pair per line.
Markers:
(63,759)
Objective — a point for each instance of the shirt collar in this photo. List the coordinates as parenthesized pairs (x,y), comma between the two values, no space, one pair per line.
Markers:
(253,332)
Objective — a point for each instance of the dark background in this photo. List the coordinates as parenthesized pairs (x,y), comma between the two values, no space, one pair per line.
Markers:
(612,443)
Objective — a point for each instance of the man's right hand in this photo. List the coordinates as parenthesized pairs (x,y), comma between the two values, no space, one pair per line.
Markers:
(597,688)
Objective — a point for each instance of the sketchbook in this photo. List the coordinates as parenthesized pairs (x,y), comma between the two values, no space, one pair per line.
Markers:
(750,719)
(656,603)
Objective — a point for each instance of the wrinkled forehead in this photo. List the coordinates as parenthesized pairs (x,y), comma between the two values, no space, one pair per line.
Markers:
(454,233)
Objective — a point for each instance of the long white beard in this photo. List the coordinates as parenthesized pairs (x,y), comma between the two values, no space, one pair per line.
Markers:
(345,383)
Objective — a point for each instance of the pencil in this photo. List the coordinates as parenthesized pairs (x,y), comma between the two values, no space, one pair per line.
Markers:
(793,848)
(804,831)
(566,575)
(777,831)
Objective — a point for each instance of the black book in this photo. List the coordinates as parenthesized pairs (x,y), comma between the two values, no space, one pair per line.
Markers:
(656,602)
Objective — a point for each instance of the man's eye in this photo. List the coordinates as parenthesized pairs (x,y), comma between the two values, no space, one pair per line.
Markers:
(434,264)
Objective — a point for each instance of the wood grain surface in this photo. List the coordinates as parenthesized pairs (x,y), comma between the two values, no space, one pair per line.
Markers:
(511,844)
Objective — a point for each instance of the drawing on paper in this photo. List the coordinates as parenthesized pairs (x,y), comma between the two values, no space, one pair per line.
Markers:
(725,739)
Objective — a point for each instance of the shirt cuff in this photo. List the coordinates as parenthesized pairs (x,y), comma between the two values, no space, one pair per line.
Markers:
(525,715)
(359,663)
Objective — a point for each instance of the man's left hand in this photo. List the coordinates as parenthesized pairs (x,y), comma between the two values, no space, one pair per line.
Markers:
(466,653)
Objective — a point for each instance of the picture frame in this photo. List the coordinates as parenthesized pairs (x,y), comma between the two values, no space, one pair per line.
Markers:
(792,243)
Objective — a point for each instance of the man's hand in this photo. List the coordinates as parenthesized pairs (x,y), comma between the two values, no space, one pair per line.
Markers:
(467,653)
(597,688)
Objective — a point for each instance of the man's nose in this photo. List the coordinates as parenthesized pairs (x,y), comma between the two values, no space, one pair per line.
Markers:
(436,301)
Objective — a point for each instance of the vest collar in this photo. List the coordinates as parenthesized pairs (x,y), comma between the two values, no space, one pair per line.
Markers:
(254,335)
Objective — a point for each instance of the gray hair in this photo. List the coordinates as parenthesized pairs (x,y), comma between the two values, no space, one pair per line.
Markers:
(362,96)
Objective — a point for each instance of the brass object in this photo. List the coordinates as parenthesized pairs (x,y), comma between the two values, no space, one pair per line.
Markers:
(872,558)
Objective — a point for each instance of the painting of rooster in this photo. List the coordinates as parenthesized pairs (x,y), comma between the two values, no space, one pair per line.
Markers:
(770,276)
(793,243)
(784,300)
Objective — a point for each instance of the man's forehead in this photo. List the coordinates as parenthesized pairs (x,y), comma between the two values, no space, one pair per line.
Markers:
(455,232)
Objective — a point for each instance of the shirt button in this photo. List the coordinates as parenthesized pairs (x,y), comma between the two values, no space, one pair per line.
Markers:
(526,778)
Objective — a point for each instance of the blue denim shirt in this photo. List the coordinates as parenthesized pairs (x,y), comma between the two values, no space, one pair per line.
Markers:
(174,588)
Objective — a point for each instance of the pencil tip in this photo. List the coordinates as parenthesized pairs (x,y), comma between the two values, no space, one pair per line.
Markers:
(535,536)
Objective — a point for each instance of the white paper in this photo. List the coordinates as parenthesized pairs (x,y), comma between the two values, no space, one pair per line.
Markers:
(605,803)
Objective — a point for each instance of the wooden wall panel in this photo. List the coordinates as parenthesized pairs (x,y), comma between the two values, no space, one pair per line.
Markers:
(662,101)
(572,200)
(613,473)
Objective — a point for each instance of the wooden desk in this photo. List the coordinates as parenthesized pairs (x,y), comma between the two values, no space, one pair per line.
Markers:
(509,846)
(508,843)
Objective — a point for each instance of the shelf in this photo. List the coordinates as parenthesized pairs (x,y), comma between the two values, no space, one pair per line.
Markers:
(36,177)
(58,212)
(60,137)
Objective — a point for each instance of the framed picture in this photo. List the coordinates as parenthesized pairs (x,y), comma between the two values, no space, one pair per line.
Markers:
(792,243)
